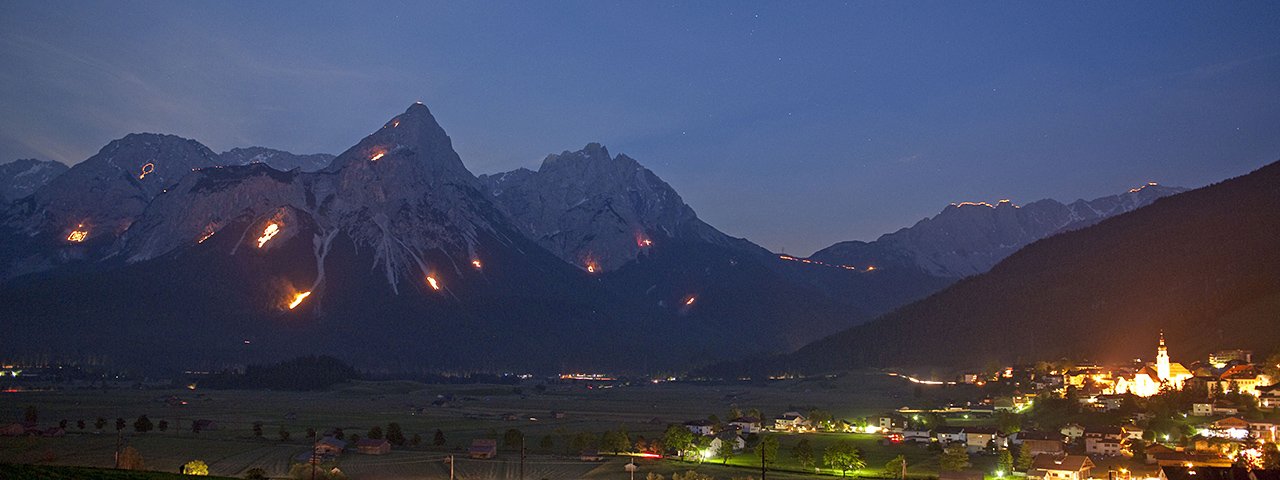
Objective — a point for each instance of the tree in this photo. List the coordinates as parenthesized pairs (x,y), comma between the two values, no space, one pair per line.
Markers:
(100,423)
(1009,422)
(255,473)
(1004,463)
(119,424)
(755,413)
(726,451)
(1270,456)
(163,425)
(195,467)
(734,413)
(62,424)
(284,434)
(616,441)
(512,438)
(438,438)
(843,456)
(802,452)
(394,434)
(767,450)
(31,415)
(311,433)
(80,424)
(1024,458)
(374,433)
(338,434)
(546,444)
(415,440)
(130,459)
(142,424)
(582,441)
(819,418)
(896,468)
(257,429)
(954,458)
(677,438)
(355,438)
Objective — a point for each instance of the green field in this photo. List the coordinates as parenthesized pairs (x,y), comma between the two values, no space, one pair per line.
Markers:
(476,411)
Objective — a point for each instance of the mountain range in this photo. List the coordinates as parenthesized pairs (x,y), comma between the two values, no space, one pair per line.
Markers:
(393,255)
(1203,267)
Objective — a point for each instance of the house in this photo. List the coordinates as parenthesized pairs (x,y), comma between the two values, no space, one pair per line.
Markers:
(1060,467)
(483,448)
(746,424)
(1242,379)
(1230,427)
(1155,450)
(1110,403)
(981,438)
(1183,472)
(204,425)
(735,442)
(791,421)
(1073,431)
(13,430)
(700,427)
(1264,430)
(919,435)
(370,446)
(890,422)
(1132,432)
(1215,408)
(1039,443)
(1203,409)
(1103,441)
(329,446)
(1269,396)
(946,434)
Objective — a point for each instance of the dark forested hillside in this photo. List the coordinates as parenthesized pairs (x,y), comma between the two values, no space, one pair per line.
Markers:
(1203,266)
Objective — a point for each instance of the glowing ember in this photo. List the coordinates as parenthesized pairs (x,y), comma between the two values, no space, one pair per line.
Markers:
(435,285)
(688,301)
(476,263)
(376,156)
(78,235)
(297,299)
(871,268)
(207,233)
(146,170)
(395,123)
(591,267)
(643,242)
(267,233)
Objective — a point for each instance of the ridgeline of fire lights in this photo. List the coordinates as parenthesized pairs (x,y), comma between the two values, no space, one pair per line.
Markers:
(810,261)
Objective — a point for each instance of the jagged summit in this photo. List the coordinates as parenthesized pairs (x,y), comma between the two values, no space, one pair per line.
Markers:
(412,143)
(599,211)
(277,159)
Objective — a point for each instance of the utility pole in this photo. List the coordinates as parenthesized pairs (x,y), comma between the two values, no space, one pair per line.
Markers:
(450,467)
(521,456)
(119,437)
(762,467)
(904,467)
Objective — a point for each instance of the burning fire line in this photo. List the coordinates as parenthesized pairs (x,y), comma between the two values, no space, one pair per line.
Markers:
(297,299)
(476,263)
(78,235)
(376,156)
(146,170)
(272,229)
(435,284)
(688,301)
(789,258)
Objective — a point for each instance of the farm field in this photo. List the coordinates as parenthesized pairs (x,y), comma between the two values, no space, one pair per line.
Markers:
(461,413)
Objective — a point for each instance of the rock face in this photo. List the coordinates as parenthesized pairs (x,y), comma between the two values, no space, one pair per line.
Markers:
(21,178)
(597,211)
(277,159)
(969,238)
(80,213)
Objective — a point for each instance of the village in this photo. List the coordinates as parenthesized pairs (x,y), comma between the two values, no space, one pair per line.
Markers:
(1044,421)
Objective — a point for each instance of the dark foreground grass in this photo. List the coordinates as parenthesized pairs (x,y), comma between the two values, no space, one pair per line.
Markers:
(10,471)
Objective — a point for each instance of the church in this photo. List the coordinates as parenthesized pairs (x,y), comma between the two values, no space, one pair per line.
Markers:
(1151,379)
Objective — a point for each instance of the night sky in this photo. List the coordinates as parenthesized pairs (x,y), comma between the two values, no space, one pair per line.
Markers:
(794,124)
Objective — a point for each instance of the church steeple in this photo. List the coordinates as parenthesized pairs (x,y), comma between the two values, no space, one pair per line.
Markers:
(1162,360)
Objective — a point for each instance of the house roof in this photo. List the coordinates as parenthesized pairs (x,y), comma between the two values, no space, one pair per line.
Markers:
(1038,435)
(1218,473)
(948,430)
(1070,463)
(371,442)
(1239,371)
(981,430)
(698,423)
(333,442)
(1177,370)
(745,420)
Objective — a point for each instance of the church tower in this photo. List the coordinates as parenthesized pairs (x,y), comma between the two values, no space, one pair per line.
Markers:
(1162,360)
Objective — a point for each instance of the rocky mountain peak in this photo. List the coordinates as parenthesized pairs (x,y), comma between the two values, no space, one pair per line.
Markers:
(411,146)
(22,177)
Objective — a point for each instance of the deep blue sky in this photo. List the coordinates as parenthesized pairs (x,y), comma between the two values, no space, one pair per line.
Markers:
(795,124)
